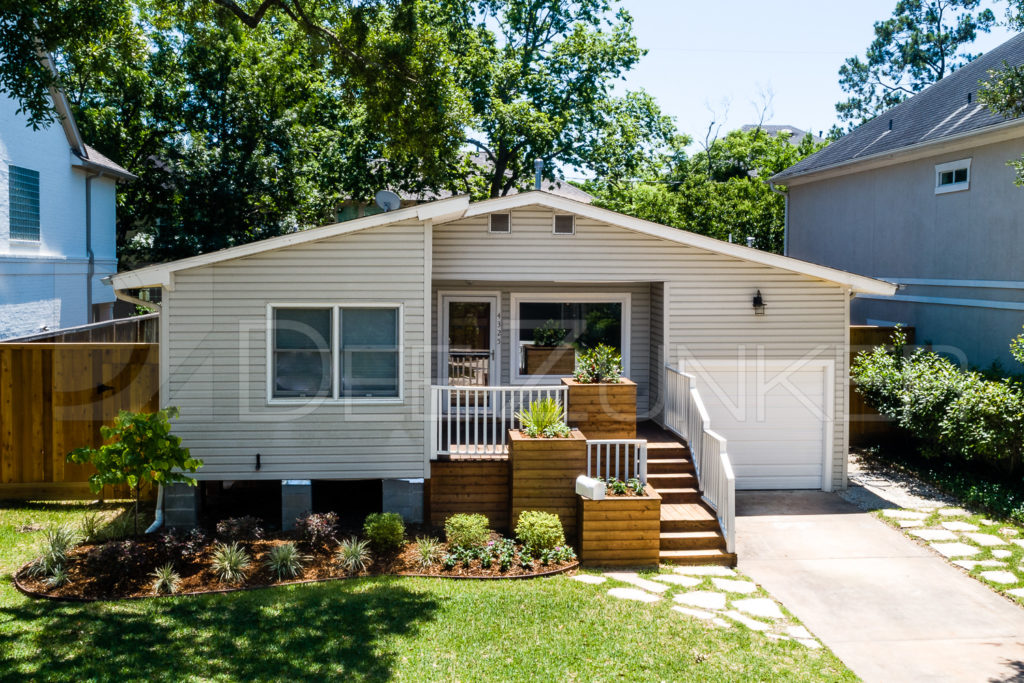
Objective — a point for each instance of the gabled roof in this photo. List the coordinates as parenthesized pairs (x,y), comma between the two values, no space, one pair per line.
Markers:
(448,210)
(943,111)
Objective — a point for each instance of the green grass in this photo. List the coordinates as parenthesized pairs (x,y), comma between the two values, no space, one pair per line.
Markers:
(375,629)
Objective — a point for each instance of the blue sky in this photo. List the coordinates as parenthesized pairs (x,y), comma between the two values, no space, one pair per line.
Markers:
(704,52)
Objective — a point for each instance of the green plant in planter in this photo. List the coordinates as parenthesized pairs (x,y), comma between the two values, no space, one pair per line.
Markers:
(539,531)
(549,334)
(544,418)
(599,364)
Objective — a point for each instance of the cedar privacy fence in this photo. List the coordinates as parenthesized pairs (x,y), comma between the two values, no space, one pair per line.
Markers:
(53,398)
(867,425)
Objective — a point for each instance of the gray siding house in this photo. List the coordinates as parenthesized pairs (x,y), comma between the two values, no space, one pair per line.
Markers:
(922,196)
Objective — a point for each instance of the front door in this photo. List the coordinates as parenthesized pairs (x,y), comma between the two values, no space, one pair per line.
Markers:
(469,340)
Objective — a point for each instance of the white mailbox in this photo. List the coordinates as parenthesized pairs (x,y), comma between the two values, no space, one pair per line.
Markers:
(591,488)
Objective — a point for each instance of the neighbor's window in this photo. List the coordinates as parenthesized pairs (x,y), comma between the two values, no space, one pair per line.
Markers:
(549,331)
(953,176)
(363,343)
(23,193)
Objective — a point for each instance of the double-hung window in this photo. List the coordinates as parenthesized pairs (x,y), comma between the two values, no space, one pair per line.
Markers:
(343,352)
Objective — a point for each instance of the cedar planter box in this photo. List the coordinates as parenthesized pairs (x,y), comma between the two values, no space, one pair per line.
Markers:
(602,411)
(550,360)
(542,476)
(620,530)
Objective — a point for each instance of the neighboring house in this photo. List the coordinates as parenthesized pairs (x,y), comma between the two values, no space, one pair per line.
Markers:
(796,135)
(922,196)
(345,352)
(57,224)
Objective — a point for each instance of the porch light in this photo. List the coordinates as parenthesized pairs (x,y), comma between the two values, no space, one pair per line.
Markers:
(759,303)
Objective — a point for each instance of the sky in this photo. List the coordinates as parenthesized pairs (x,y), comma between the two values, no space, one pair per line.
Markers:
(704,53)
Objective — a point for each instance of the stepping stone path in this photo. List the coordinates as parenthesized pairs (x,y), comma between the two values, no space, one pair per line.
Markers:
(813,644)
(959,526)
(705,599)
(909,523)
(1016,592)
(971,564)
(955,549)
(905,514)
(1018,541)
(1000,577)
(633,594)
(987,540)
(747,621)
(988,522)
(677,580)
(759,607)
(799,632)
(700,614)
(1001,553)
(935,535)
(589,578)
(711,570)
(954,512)
(634,579)
(1007,531)
(732,586)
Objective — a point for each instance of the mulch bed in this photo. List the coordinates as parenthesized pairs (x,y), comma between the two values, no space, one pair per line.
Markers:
(132,579)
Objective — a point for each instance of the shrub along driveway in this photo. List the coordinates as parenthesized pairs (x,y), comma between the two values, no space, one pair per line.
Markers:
(890,609)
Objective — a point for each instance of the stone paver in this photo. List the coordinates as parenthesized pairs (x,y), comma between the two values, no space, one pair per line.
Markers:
(935,534)
(732,586)
(747,621)
(1016,592)
(679,580)
(1008,531)
(701,614)
(959,526)
(710,570)
(971,564)
(988,522)
(705,599)
(955,549)
(1018,541)
(813,644)
(636,580)
(910,523)
(904,514)
(589,578)
(759,607)
(953,512)
(633,594)
(1001,553)
(1000,577)
(987,540)
(799,632)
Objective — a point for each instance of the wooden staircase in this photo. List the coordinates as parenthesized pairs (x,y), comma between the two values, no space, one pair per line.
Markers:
(690,533)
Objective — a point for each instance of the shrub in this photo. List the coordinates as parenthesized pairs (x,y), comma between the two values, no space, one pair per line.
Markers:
(353,555)
(54,547)
(428,550)
(467,530)
(165,580)
(240,528)
(601,363)
(385,531)
(91,527)
(540,530)
(544,418)
(318,529)
(549,334)
(229,562)
(175,545)
(285,561)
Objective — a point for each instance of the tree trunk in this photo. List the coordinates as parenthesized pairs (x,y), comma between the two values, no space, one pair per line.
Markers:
(136,510)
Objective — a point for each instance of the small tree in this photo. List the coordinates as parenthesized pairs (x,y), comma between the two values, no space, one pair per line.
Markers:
(140,448)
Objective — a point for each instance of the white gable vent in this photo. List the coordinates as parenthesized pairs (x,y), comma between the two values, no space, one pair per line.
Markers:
(565,225)
(501,222)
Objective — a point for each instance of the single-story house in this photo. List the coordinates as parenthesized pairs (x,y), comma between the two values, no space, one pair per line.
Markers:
(346,352)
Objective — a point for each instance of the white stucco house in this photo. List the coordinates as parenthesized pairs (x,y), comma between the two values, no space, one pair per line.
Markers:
(57,224)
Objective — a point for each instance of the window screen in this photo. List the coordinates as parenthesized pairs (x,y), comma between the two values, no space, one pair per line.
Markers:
(369,364)
(302,352)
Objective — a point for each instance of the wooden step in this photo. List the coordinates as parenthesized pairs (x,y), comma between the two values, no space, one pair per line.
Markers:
(688,517)
(678,495)
(669,465)
(667,450)
(673,480)
(692,540)
(697,557)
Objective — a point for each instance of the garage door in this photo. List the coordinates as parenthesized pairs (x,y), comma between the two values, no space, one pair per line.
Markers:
(776,417)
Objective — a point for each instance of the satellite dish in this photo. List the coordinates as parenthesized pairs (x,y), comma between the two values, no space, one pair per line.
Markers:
(387,200)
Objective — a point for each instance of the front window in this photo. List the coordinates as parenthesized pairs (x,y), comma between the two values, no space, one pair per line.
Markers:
(337,352)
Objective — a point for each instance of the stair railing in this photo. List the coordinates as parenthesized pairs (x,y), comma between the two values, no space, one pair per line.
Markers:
(622,459)
(686,416)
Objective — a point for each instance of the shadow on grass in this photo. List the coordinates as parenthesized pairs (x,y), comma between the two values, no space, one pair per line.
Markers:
(309,632)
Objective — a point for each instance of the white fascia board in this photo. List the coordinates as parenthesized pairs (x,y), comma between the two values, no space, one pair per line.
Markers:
(161,275)
(858,283)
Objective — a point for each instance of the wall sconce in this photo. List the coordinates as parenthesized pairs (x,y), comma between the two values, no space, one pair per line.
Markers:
(759,304)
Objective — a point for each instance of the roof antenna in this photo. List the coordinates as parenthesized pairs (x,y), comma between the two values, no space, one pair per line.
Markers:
(538,168)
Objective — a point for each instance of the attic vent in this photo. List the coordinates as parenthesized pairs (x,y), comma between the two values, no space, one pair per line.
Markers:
(890,124)
(501,222)
(968,98)
(565,225)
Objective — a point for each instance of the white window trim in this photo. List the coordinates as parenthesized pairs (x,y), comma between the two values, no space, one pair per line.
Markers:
(554,220)
(334,398)
(490,218)
(952,166)
(624,298)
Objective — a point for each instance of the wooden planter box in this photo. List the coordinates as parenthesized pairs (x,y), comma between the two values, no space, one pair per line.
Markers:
(542,476)
(550,360)
(623,531)
(602,411)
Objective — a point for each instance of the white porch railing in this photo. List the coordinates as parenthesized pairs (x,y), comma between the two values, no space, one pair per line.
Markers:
(617,459)
(471,421)
(686,416)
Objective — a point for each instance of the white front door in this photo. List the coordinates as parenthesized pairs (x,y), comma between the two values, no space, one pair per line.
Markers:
(469,340)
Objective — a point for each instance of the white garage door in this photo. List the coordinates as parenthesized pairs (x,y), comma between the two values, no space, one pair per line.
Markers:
(776,417)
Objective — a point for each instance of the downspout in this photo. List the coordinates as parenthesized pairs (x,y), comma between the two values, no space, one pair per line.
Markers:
(158,521)
(91,270)
(785,217)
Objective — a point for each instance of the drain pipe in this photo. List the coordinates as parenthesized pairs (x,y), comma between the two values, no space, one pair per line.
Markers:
(158,521)
(785,217)
(91,271)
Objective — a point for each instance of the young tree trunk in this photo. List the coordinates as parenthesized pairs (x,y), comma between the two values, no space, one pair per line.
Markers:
(136,510)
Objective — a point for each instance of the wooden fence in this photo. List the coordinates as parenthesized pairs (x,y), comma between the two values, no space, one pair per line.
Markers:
(867,426)
(139,329)
(53,398)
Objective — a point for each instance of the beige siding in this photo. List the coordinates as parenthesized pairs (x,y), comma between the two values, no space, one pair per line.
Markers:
(709,295)
(217,361)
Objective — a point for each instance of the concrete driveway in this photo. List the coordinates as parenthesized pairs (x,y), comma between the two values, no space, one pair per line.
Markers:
(889,608)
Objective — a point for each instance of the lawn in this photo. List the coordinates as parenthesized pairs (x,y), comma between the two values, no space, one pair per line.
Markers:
(375,629)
